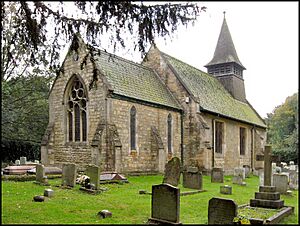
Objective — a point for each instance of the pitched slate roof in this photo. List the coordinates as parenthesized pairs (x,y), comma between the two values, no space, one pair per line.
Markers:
(133,80)
(210,93)
(225,51)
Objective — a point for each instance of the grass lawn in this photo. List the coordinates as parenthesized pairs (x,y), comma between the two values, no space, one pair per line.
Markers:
(72,206)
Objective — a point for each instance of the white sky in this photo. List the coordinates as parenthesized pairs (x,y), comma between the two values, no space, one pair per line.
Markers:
(265,35)
(266,38)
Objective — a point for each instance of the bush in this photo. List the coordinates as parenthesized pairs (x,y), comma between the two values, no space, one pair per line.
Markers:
(12,150)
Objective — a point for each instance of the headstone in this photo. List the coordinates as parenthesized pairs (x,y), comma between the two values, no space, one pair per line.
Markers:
(40,173)
(261,177)
(293,179)
(36,161)
(281,182)
(69,175)
(93,172)
(17,162)
(292,167)
(192,178)
(247,170)
(226,189)
(274,167)
(23,160)
(278,169)
(165,207)
(239,175)
(48,193)
(217,175)
(291,163)
(221,211)
(172,172)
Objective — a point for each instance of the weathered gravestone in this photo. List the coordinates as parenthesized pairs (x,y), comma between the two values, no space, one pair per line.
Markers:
(192,178)
(226,189)
(23,160)
(247,170)
(93,172)
(69,175)
(172,172)
(281,182)
(165,206)
(293,179)
(40,173)
(48,193)
(221,211)
(217,175)
(268,158)
(239,175)
(17,162)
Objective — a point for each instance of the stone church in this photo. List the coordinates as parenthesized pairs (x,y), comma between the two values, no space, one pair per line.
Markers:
(131,118)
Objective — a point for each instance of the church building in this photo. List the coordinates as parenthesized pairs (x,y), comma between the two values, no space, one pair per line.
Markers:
(132,118)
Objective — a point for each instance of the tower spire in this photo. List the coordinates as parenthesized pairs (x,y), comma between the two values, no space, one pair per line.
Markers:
(226,65)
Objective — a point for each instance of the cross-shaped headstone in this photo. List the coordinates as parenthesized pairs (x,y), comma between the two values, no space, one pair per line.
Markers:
(268,158)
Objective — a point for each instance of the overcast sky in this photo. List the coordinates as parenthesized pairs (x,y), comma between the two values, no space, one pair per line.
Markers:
(266,38)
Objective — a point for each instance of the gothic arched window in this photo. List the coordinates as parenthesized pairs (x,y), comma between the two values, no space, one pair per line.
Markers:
(169,133)
(133,128)
(76,109)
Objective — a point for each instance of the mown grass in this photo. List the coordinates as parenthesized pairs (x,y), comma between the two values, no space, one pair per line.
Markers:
(72,206)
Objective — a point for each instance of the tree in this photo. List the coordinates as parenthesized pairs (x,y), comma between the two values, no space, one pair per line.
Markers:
(32,37)
(37,25)
(283,129)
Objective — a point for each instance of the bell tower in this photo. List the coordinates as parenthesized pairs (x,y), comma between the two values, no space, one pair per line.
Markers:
(226,66)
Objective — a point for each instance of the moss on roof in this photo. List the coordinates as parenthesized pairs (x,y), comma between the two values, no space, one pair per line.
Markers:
(211,95)
(133,80)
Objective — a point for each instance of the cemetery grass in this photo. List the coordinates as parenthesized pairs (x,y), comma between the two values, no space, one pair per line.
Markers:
(72,206)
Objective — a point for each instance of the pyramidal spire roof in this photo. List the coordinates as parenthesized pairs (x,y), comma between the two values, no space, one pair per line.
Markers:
(225,51)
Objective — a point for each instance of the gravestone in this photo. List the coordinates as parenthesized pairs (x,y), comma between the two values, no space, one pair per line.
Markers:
(69,175)
(217,175)
(192,178)
(221,211)
(93,172)
(293,179)
(40,173)
(239,175)
(172,172)
(247,170)
(268,158)
(48,193)
(165,206)
(226,189)
(281,182)
(23,160)
(17,162)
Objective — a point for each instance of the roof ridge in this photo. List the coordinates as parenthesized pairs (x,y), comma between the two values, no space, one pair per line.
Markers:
(119,57)
(189,65)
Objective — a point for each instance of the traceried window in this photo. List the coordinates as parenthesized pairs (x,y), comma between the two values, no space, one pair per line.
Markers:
(242,141)
(133,128)
(169,135)
(219,131)
(76,109)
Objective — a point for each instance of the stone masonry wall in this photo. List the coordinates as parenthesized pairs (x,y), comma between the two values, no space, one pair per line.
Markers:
(144,159)
(62,150)
(197,131)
